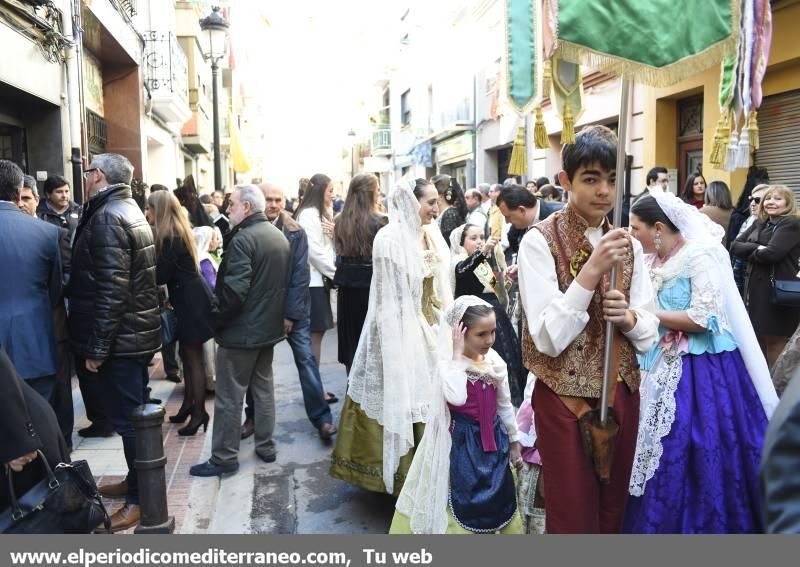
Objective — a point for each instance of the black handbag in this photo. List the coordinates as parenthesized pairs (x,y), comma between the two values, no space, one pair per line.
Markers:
(65,501)
(785,292)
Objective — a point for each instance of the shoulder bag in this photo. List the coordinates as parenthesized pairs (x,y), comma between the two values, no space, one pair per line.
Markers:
(64,501)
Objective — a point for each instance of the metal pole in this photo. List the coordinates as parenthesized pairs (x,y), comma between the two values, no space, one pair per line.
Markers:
(622,135)
(215,104)
(150,463)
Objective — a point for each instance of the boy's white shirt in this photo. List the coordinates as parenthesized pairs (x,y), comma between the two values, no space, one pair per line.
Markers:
(556,319)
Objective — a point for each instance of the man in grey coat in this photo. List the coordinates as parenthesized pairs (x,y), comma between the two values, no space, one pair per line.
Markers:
(251,290)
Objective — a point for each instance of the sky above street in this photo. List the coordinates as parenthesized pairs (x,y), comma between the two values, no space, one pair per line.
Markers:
(307,66)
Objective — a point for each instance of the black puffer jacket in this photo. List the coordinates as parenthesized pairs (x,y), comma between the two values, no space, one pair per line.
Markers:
(113,298)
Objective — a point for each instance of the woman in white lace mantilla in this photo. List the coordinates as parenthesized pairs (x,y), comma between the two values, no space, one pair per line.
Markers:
(706,393)
(390,381)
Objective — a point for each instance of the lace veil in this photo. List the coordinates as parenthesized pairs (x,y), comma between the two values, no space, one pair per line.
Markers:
(424,496)
(393,365)
(701,230)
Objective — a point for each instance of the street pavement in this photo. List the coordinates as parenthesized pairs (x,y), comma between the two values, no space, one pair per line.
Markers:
(294,495)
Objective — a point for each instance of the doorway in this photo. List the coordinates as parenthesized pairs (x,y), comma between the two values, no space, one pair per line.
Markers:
(690,138)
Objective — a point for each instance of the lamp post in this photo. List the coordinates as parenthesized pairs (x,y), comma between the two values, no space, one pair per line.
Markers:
(214,44)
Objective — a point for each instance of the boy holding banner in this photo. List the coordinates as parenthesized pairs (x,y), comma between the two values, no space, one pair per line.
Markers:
(564,265)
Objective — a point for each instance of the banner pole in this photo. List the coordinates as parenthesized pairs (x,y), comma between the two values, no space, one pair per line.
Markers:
(622,136)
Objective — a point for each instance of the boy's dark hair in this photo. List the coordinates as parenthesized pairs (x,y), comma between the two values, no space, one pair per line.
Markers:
(541,182)
(475,313)
(594,144)
(54,182)
(205,198)
(649,212)
(158,187)
(515,197)
(652,175)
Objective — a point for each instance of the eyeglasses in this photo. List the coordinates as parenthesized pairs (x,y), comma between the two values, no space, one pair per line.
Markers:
(756,200)
(86,172)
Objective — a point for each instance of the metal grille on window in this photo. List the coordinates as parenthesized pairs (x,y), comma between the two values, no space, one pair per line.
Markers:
(96,133)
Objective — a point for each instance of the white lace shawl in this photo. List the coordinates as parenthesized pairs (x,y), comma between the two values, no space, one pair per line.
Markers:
(395,360)
(657,391)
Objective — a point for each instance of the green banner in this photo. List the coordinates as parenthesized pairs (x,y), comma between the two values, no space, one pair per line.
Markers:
(658,42)
(521,83)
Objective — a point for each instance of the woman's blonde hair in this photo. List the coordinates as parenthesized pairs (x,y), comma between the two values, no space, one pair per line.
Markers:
(170,221)
(786,193)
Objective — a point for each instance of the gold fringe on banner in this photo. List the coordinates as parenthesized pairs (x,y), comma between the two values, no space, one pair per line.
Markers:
(517,164)
(752,127)
(540,140)
(568,130)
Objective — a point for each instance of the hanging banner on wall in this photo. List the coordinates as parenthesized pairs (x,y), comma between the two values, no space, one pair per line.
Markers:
(521,55)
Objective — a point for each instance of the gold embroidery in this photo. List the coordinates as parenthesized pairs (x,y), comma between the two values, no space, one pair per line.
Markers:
(578,371)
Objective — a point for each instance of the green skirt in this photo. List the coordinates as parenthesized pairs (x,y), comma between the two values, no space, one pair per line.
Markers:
(358,455)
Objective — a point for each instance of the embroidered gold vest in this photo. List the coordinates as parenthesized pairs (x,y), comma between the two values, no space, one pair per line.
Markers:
(578,371)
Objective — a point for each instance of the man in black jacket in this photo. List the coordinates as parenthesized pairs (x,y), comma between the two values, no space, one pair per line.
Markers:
(296,320)
(523,209)
(114,322)
(58,208)
(251,289)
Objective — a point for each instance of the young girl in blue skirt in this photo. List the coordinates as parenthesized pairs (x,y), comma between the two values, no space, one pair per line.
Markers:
(460,481)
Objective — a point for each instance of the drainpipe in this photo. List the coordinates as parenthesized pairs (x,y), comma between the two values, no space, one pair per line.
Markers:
(77,127)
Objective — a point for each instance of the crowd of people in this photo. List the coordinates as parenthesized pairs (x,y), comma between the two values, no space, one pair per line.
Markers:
(471,325)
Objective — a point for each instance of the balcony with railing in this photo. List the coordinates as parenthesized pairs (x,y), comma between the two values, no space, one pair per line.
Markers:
(167,76)
(382,141)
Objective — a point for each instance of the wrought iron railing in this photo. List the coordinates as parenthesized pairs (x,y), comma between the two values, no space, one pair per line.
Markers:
(166,65)
(96,132)
(128,6)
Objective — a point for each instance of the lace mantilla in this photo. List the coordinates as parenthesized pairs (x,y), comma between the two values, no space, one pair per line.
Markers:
(657,416)
(693,262)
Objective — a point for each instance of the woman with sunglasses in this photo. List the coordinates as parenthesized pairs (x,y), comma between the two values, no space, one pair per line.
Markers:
(739,264)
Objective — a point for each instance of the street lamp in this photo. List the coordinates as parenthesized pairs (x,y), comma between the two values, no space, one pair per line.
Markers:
(214,42)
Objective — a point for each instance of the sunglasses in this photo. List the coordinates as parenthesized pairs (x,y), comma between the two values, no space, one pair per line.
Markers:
(756,200)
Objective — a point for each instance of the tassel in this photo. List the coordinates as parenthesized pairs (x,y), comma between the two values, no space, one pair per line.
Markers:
(733,150)
(516,165)
(743,155)
(547,78)
(752,127)
(540,140)
(721,140)
(568,130)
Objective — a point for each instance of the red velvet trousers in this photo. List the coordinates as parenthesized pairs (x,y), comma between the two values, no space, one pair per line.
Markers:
(575,500)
